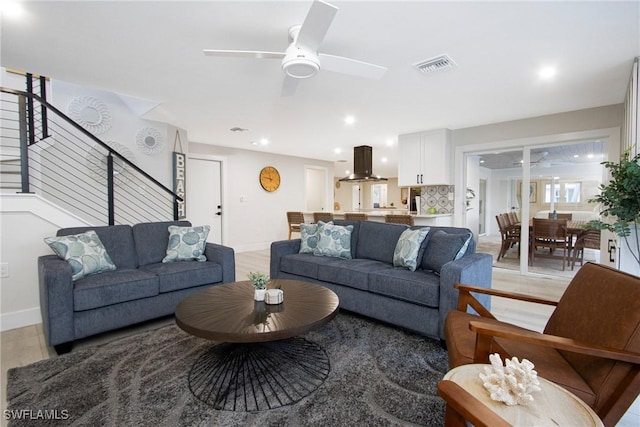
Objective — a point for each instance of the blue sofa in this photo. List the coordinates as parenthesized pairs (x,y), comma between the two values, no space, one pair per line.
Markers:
(370,285)
(141,288)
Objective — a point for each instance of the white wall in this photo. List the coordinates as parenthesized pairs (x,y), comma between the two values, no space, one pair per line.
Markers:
(25,220)
(125,126)
(253,218)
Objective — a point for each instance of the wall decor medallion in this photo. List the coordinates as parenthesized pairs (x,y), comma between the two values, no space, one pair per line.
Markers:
(96,161)
(150,141)
(90,113)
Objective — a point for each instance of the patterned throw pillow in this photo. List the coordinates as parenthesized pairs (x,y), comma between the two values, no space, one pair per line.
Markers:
(84,252)
(309,237)
(335,241)
(407,248)
(187,243)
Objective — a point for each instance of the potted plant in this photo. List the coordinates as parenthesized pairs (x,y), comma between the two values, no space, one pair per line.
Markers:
(621,199)
(259,282)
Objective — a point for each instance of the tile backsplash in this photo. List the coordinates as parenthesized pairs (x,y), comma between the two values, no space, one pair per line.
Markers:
(436,196)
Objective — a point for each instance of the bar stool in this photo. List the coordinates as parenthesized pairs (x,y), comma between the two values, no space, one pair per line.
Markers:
(294,219)
(399,219)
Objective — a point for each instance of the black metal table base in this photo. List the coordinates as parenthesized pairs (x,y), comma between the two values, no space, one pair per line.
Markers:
(258,376)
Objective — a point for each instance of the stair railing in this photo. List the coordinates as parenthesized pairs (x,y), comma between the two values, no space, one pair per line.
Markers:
(140,196)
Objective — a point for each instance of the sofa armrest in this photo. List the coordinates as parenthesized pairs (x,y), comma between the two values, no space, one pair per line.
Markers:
(56,299)
(278,250)
(474,269)
(225,256)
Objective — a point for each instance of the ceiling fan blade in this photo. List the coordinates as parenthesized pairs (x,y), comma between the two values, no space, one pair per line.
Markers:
(259,54)
(340,64)
(289,86)
(316,25)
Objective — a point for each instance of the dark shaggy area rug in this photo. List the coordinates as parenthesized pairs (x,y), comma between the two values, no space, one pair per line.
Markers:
(380,376)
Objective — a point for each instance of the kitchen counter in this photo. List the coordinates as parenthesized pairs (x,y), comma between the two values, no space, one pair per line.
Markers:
(378,215)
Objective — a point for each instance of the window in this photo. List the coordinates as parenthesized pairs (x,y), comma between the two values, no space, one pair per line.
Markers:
(565,192)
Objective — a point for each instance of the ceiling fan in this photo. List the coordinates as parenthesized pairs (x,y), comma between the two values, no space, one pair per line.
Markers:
(301,59)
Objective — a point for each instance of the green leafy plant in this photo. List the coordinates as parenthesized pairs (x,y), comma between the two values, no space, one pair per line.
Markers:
(620,198)
(258,280)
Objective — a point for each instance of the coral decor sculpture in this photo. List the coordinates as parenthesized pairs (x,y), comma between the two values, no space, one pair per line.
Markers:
(512,383)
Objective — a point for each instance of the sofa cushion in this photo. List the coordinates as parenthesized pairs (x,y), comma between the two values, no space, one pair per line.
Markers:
(305,265)
(185,274)
(84,252)
(151,240)
(116,239)
(334,240)
(113,287)
(187,243)
(417,287)
(408,248)
(353,273)
(309,237)
(377,240)
(442,248)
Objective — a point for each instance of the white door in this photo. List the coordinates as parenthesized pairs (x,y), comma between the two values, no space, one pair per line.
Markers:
(204,204)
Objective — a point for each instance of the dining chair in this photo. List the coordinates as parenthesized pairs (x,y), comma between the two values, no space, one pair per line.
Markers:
(589,239)
(356,216)
(399,219)
(322,216)
(294,219)
(509,235)
(549,234)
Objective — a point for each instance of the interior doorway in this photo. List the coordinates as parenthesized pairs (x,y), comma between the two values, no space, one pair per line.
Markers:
(482,212)
(315,189)
(204,195)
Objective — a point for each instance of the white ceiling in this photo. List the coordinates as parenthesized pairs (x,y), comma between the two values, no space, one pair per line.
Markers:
(153,50)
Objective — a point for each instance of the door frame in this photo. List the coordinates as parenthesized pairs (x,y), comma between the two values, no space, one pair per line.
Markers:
(223,192)
(328,187)
(611,135)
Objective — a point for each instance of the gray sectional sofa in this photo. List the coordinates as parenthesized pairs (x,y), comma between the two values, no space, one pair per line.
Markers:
(141,287)
(370,285)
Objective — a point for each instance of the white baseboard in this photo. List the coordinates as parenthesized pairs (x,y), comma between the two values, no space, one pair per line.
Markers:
(20,319)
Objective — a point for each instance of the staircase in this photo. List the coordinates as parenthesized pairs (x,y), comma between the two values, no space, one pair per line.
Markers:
(43,151)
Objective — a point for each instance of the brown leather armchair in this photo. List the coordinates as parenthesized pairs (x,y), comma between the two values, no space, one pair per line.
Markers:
(590,345)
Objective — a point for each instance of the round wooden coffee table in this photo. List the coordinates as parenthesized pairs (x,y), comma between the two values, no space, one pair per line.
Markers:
(261,362)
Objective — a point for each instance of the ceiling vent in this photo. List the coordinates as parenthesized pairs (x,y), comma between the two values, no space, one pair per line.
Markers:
(434,64)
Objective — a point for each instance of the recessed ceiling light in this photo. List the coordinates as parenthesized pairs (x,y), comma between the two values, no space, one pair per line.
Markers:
(481,161)
(589,156)
(390,142)
(546,73)
(337,150)
(384,160)
(575,156)
(264,141)
(347,172)
(349,120)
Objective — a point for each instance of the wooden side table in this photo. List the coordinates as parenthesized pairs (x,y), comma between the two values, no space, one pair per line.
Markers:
(552,406)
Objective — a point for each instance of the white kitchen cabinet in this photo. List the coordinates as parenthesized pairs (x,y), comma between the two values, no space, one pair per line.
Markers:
(424,158)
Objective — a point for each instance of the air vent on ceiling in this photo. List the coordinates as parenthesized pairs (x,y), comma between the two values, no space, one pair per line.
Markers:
(434,64)
(238,129)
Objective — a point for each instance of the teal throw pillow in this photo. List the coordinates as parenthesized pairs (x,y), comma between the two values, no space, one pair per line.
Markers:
(444,247)
(408,247)
(309,237)
(84,252)
(187,243)
(335,240)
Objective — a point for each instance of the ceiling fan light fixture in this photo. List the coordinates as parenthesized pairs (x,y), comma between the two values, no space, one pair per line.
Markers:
(300,68)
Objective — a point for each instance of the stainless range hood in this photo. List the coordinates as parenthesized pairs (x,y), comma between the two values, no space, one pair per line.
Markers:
(362,166)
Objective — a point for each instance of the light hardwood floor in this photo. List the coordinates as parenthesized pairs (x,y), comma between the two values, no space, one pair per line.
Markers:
(23,346)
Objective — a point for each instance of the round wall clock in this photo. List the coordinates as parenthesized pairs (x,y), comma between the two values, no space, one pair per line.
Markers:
(270,178)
